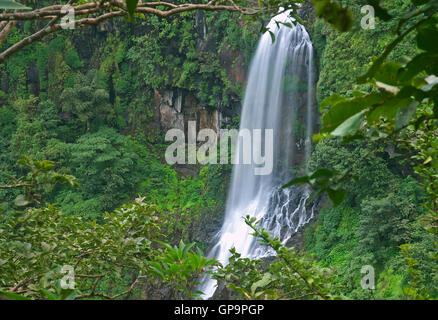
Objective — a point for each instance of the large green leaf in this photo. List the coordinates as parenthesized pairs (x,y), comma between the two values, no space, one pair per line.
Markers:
(131,5)
(342,109)
(330,101)
(336,196)
(349,126)
(13,296)
(388,73)
(334,13)
(267,279)
(322,172)
(21,201)
(48,294)
(405,114)
(299,180)
(388,109)
(415,66)
(427,38)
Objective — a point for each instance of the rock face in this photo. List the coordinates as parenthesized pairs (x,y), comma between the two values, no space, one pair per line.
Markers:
(234,64)
(177,107)
(174,108)
(170,109)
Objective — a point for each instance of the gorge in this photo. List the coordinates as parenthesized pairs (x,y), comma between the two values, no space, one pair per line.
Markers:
(85,181)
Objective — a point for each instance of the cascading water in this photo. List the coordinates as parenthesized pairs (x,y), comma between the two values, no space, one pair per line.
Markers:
(279,96)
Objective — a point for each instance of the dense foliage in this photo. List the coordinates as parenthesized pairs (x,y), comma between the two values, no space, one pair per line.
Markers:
(80,140)
(90,109)
(388,121)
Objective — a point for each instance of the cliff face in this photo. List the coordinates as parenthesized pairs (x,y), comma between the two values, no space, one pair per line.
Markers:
(175,106)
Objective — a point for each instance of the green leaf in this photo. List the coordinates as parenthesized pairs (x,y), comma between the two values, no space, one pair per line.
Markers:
(388,73)
(272,36)
(388,109)
(334,13)
(349,126)
(186,248)
(267,279)
(427,37)
(157,270)
(13,296)
(429,159)
(405,114)
(166,245)
(299,180)
(48,294)
(342,108)
(322,172)
(240,290)
(415,66)
(131,5)
(331,101)
(67,294)
(9,4)
(322,183)
(336,196)
(21,201)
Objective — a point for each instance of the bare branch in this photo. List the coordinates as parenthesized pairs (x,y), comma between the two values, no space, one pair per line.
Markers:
(51,11)
(39,14)
(6,30)
(3,24)
(20,185)
(116,8)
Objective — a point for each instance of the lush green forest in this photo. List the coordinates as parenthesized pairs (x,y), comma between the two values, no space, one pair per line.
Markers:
(84,182)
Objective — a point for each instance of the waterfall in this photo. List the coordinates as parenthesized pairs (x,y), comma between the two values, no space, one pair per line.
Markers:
(278,96)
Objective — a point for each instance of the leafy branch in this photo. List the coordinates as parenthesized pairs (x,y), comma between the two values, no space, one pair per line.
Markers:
(40,177)
(92,13)
(289,276)
(290,260)
(400,89)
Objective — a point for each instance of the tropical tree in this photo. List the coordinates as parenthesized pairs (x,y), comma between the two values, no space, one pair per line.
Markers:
(106,166)
(86,100)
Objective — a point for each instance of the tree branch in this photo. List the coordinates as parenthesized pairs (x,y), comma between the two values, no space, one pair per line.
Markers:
(117,8)
(129,290)
(19,185)
(6,30)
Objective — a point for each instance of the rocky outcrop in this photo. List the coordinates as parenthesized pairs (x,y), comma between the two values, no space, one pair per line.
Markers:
(170,108)
(177,107)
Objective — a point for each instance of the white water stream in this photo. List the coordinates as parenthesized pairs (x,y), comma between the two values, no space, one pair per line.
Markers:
(278,96)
